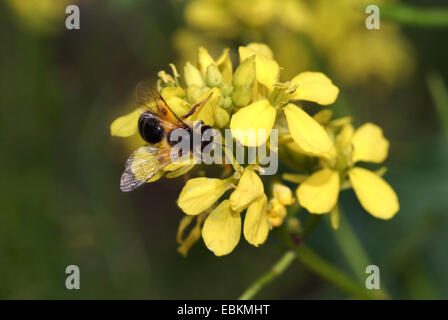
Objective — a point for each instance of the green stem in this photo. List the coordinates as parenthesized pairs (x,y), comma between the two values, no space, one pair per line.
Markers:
(439,95)
(331,273)
(277,269)
(415,16)
(354,252)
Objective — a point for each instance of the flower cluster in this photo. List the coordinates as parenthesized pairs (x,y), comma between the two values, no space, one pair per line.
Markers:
(296,28)
(321,151)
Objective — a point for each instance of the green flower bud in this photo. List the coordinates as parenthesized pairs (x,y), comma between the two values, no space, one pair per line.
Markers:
(245,73)
(221,101)
(227,104)
(193,76)
(226,90)
(193,93)
(242,95)
(221,116)
(213,76)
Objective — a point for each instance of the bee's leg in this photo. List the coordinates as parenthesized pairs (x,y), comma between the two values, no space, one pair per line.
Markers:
(195,107)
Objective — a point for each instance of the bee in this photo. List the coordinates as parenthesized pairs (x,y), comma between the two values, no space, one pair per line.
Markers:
(157,125)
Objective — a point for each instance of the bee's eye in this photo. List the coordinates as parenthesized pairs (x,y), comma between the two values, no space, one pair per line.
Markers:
(149,128)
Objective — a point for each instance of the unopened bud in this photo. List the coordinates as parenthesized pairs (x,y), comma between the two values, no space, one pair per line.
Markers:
(226,90)
(222,118)
(193,76)
(276,213)
(193,93)
(245,73)
(242,95)
(213,76)
(227,104)
(283,194)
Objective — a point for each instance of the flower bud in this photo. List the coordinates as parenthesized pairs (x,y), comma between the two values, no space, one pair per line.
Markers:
(213,76)
(227,104)
(283,194)
(226,89)
(193,76)
(242,95)
(222,118)
(293,225)
(193,93)
(245,73)
(276,213)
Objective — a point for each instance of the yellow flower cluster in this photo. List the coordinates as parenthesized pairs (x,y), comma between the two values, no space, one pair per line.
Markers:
(295,28)
(249,99)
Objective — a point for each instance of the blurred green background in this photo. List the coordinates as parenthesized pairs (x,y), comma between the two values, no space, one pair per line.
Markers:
(60,201)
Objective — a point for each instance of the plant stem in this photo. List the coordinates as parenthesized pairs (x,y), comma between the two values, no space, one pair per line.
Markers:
(354,252)
(415,16)
(331,273)
(439,94)
(277,269)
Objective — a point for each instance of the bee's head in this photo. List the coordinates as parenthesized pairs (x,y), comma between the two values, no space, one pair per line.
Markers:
(149,127)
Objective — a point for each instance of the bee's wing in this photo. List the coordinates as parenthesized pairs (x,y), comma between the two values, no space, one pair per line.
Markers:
(142,165)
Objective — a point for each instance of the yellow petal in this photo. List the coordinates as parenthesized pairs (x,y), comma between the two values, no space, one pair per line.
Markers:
(319,193)
(125,126)
(204,60)
(199,194)
(334,217)
(256,223)
(225,66)
(252,125)
(314,86)
(178,105)
(369,144)
(323,116)
(376,196)
(169,92)
(249,188)
(306,132)
(262,49)
(267,69)
(206,112)
(222,229)
(345,136)
(179,172)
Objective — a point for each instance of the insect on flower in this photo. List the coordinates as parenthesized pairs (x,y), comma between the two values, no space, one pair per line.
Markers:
(163,130)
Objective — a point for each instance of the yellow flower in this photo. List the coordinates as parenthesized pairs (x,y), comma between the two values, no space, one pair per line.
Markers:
(222,228)
(261,114)
(319,192)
